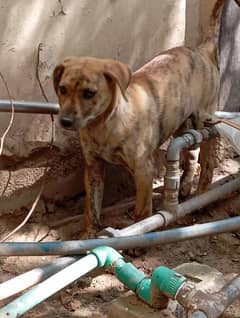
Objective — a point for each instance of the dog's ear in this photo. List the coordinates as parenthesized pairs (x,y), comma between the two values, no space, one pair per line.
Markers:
(57,74)
(119,73)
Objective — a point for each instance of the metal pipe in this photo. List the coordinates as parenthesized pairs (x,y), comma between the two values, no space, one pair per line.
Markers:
(145,240)
(29,107)
(164,218)
(168,283)
(147,225)
(227,115)
(49,287)
(172,176)
(53,108)
(228,294)
(34,276)
(203,305)
(208,197)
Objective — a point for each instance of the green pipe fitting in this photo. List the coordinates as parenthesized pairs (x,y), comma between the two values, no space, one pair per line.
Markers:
(106,256)
(128,274)
(144,291)
(154,291)
(167,281)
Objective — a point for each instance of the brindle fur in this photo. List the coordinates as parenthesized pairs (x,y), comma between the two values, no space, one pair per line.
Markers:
(131,115)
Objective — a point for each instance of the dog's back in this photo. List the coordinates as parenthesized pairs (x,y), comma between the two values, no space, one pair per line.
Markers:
(182,81)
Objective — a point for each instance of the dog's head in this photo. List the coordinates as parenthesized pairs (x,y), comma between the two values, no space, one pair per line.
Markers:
(86,87)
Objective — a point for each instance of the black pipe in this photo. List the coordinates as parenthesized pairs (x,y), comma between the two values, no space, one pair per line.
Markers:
(28,107)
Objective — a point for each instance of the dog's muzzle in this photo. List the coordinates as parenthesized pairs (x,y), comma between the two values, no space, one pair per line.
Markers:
(67,121)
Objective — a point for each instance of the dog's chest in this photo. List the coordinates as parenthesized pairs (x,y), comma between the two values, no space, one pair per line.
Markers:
(108,150)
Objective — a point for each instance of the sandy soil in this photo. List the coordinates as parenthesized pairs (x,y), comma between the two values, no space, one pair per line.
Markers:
(91,295)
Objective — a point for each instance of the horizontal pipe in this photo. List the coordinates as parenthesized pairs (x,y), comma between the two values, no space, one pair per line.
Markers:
(29,107)
(210,305)
(164,218)
(208,197)
(32,277)
(227,115)
(53,108)
(49,287)
(230,292)
(119,243)
(147,225)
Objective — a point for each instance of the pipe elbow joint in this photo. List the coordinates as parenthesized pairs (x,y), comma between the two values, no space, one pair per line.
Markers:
(106,256)
(175,147)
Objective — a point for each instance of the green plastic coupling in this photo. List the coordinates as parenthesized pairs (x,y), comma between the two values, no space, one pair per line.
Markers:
(128,274)
(168,281)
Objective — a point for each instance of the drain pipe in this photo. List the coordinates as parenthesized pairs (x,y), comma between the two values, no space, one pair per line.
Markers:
(200,304)
(29,107)
(34,276)
(172,176)
(120,243)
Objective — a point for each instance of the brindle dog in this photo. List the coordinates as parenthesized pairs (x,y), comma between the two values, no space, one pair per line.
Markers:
(123,117)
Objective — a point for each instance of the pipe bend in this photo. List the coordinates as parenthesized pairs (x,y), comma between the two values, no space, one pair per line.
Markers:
(175,147)
(106,256)
(188,139)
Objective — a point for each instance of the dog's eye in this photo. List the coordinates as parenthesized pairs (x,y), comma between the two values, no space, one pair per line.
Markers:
(88,93)
(63,90)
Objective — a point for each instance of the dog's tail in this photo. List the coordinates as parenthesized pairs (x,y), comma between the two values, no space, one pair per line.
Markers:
(209,44)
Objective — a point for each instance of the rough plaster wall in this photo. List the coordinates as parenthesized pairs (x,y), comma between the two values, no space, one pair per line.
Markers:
(229,56)
(131,31)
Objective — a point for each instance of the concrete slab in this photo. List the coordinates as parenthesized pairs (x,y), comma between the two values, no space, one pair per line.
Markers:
(206,278)
(129,306)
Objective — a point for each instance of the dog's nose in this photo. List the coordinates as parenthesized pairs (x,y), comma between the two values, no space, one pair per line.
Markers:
(66,121)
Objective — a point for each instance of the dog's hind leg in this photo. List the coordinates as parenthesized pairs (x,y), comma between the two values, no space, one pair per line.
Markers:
(208,161)
(190,169)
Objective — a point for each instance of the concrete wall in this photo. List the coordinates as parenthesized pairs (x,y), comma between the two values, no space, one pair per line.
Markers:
(131,31)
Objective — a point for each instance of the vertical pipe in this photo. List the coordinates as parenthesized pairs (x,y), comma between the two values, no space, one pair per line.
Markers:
(49,287)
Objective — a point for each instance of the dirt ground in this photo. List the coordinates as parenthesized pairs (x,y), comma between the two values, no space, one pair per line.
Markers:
(91,295)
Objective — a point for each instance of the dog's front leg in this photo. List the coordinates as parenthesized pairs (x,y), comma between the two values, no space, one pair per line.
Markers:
(143,180)
(94,186)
